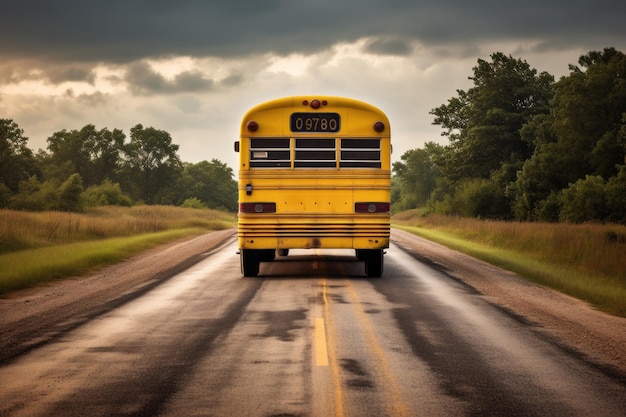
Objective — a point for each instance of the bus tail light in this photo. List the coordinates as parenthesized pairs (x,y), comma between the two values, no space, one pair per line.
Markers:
(371,207)
(379,126)
(257,207)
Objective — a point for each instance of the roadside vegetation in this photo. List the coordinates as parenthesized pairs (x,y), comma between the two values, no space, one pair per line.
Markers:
(533,178)
(524,147)
(37,247)
(587,261)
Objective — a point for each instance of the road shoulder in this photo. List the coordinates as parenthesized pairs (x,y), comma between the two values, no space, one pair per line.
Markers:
(31,317)
(573,324)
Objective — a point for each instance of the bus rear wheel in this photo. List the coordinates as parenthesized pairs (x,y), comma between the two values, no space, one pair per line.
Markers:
(373,262)
(250,260)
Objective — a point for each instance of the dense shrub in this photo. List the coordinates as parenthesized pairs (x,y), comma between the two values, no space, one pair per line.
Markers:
(106,194)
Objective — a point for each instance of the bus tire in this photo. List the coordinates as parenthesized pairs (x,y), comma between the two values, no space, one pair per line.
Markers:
(267,255)
(249,262)
(374,263)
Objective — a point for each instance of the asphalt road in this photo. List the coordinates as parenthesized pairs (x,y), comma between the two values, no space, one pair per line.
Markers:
(311,336)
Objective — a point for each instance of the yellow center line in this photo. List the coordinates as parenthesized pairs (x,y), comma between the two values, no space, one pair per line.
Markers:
(325,349)
(321,352)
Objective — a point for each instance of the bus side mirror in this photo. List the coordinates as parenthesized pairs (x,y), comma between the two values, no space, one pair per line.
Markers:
(236,146)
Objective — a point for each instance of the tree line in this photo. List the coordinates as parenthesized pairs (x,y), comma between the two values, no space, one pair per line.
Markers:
(91,167)
(523,146)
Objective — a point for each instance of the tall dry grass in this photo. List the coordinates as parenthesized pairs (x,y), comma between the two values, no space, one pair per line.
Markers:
(591,248)
(21,230)
(584,260)
(39,247)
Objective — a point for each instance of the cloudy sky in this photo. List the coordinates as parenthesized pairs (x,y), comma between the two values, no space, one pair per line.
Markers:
(193,67)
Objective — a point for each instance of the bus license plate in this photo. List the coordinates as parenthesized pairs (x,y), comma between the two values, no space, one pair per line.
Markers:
(315,122)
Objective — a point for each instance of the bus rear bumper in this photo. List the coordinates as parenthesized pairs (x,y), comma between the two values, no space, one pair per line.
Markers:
(314,242)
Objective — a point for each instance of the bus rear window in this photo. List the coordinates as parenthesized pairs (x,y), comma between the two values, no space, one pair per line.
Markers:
(315,153)
(360,153)
(270,153)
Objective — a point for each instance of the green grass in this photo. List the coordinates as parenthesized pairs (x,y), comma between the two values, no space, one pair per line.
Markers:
(585,261)
(40,247)
(34,266)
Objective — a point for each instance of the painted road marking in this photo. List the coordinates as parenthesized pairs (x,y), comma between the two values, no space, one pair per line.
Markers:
(327,349)
(321,350)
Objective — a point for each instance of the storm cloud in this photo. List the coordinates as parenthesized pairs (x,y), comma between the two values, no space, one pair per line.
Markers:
(121,31)
(193,67)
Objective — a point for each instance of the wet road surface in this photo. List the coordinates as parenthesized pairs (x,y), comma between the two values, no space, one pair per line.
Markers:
(311,336)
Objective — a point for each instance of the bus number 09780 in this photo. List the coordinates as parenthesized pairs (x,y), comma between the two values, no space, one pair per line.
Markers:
(315,122)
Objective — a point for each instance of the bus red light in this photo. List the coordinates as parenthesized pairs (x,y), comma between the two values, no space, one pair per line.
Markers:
(315,104)
(252,126)
(371,207)
(257,207)
(379,126)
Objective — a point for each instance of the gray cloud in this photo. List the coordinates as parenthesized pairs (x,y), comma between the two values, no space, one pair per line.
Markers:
(62,74)
(120,31)
(15,72)
(94,100)
(144,80)
(389,46)
(233,80)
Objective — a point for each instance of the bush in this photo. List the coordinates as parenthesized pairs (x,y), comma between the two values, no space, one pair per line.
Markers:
(584,200)
(481,198)
(5,195)
(616,197)
(194,203)
(32,195)
(70,194)
(106,194)
(549,209)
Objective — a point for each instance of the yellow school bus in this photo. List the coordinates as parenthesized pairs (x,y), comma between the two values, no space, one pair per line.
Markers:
(314,172)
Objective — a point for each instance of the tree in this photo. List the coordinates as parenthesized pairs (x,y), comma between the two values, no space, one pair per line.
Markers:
(74,148)
(589,115)
(106,155)
(94,154)
(17,162)
(212,183)
(151,163)
(483,124)
(584,135)
(417,174)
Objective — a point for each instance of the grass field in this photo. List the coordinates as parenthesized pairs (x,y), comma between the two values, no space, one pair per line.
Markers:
(587,261)
(39,247)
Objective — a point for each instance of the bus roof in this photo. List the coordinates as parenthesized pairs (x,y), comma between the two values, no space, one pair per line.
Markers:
(330,102)
(297,101)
